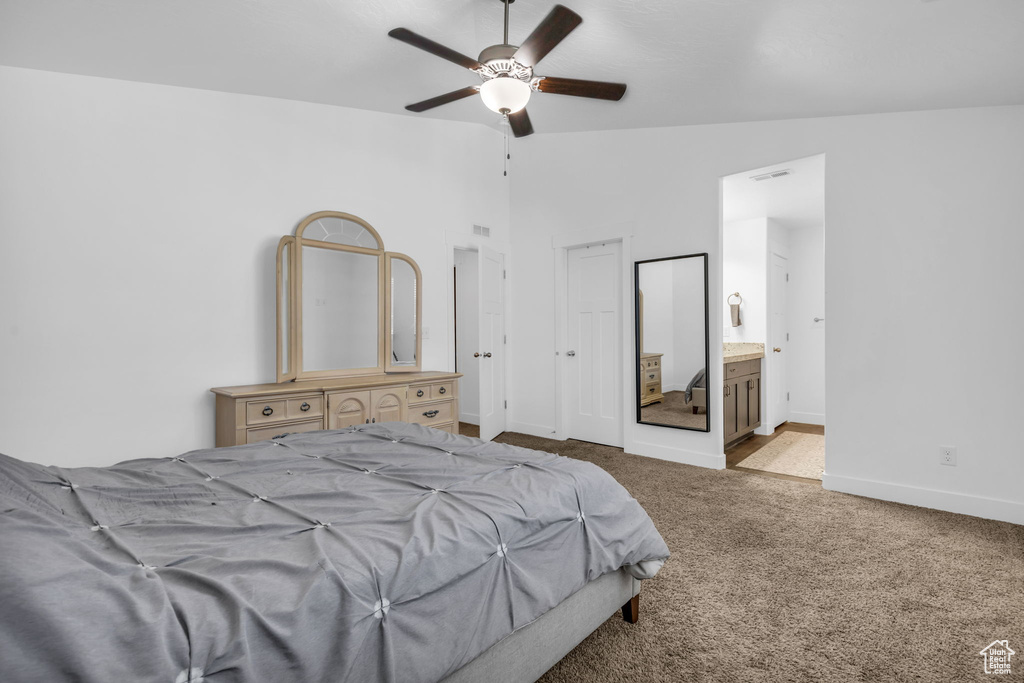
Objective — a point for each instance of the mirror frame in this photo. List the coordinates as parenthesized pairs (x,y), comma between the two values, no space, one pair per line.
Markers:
(638,340)
(388,343)
(289,291)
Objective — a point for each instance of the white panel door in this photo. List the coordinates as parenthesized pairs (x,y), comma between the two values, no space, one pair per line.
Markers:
(491,362)
(593,359)
(778,386)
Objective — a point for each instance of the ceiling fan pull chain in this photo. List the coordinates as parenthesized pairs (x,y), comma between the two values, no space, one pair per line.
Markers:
(507,156)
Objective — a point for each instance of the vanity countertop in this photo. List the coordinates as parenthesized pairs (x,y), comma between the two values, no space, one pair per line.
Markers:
(734,352)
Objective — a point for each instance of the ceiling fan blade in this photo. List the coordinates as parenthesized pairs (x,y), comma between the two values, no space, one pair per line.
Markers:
(520,124)
(549,33)
(416,40)
(573,86)
(444,99)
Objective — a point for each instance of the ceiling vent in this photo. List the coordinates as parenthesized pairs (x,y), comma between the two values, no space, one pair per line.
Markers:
(771,175)
(481,230)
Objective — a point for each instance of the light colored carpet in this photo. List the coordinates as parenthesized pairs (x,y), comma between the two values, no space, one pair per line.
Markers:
(772,580)
(793,453)
(673,410)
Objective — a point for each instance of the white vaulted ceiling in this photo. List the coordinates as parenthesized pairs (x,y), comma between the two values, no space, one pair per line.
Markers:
(685,61)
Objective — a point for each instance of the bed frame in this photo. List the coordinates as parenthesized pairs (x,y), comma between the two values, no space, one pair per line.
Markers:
(525,654)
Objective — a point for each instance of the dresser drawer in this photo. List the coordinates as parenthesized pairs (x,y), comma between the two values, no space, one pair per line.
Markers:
(652,375)
(263,433)
(431,414)
(283,409)
(418,393)
(450,428)
(652,390)
(744,367)
(652,363)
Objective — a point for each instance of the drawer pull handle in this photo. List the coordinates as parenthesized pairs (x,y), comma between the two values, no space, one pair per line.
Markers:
(442,390)
(430,413)
(280,436)
(268,411)
(419,393)
(304,407)
(650,376)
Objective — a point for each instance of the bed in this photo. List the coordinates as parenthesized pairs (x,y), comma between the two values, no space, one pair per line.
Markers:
(382,552)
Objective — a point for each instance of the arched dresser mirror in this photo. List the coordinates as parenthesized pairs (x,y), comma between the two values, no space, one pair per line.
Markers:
(349,342)
(346,307)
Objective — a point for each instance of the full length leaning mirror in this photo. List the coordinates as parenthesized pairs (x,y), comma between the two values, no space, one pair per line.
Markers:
(672,352)
(346,307)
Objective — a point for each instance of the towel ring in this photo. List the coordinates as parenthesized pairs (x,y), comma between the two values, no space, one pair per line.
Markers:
(737,295)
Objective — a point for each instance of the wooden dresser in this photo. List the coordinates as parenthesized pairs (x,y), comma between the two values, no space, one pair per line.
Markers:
(650,369)
(256,412)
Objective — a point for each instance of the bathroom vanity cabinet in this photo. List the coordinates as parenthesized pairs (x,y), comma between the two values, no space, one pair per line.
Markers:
(741,398)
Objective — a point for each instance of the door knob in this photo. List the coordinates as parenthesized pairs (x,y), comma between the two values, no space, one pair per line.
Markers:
(487,355)
(777,350)
(570,353)
(476,355)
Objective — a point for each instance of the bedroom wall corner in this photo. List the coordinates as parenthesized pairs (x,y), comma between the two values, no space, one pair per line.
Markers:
(919,266)
(137,244)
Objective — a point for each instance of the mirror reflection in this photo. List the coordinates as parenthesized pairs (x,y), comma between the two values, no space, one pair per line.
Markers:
(672,342)
(339,309)
(403,313)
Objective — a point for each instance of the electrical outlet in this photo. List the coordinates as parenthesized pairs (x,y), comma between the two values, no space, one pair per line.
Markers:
(947,455)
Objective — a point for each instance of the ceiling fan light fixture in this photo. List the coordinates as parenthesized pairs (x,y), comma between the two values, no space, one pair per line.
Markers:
(505,95)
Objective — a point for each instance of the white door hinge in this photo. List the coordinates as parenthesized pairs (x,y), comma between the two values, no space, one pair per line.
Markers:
(787,277)
(787,395)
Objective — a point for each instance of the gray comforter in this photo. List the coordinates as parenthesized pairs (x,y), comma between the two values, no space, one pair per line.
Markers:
(387,552)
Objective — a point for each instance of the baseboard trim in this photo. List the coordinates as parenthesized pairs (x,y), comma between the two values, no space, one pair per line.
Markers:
(962,503)
(544,431)
(807,418)
(472,419)
(653,450)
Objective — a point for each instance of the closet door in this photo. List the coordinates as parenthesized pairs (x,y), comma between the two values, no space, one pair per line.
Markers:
(348,408)
(389,405)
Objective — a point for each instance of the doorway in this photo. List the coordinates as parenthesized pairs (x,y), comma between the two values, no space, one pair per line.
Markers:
(478,281)
(592,361)
(773,279)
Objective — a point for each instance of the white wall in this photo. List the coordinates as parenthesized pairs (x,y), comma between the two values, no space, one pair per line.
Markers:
(744,270)
(138,228)
(659,332)
(687,321)
(919,262)
(806,368)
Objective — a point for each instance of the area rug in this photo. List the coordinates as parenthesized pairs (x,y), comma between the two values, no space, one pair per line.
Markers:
(793,453)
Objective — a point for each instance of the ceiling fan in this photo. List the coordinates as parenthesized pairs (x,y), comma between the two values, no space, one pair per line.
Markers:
(507,70)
